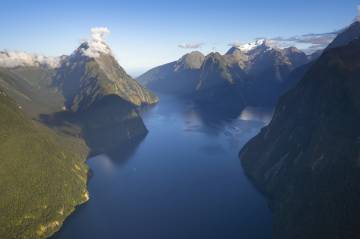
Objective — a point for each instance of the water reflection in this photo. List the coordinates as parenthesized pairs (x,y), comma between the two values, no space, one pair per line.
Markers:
(257,114)
(183,181)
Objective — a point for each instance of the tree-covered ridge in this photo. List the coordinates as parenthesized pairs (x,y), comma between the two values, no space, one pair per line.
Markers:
(42,177)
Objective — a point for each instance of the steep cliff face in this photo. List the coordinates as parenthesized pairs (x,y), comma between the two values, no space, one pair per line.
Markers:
(346,36)
(307,160)
(43,175)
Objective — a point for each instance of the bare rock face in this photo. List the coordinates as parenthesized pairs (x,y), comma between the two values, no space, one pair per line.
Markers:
(306,161)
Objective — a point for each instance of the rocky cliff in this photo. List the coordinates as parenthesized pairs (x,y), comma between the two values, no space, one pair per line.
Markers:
(306,161)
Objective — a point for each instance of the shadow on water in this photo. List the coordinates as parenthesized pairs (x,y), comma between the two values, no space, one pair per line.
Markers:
(125,151)
(118,157)
(105,125)
(184,180)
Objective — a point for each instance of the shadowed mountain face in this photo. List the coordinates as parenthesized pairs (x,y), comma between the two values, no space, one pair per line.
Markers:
(307,160)
(217,89)
(109,123)
(252,75)
(346,36)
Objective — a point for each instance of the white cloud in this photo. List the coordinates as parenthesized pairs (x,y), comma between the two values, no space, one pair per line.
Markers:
(235,44)
(97,44)
(308,42)
(13,59)
(191,45)
(358,13)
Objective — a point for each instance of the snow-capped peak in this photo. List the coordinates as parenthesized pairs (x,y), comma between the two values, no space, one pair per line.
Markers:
(252,45)
(14,59)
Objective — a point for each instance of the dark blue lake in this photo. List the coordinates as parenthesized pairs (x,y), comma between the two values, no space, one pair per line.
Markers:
(182,181)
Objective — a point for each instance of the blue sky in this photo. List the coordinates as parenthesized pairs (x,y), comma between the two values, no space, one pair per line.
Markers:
(148,33)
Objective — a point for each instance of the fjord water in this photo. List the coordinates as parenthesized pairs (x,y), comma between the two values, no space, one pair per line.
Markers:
(182,181)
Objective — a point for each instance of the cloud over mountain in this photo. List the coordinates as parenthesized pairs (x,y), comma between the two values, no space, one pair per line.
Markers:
(18,58)
(311,42)
(97,44)
(191,45)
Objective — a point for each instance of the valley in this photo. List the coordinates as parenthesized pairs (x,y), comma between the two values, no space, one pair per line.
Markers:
(256,138)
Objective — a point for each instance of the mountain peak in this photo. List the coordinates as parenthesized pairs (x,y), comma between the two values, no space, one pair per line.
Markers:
(96,46)
(233,50)
(192,60)
(347,35)
(264,43)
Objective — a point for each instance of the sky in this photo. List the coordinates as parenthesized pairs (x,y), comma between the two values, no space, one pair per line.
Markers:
(145,34)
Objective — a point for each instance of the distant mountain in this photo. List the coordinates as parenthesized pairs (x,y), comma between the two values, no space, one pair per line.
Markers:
(43,174)
(306,160)
(267,69)
(315,55)
(179,77)
(254,73)
(217,88)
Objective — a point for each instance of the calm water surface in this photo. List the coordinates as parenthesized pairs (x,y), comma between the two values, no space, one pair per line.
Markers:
(183,181)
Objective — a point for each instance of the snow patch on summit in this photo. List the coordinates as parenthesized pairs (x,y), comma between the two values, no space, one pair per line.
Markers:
(252,45)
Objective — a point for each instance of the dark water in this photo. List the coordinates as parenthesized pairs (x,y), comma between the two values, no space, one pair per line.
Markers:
(184,180)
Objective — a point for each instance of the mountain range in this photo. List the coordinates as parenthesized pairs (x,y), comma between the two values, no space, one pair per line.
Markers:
(254,74)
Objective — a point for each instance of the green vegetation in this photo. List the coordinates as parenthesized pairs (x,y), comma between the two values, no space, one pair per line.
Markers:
(42,170)
(42,179)
(31,88)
